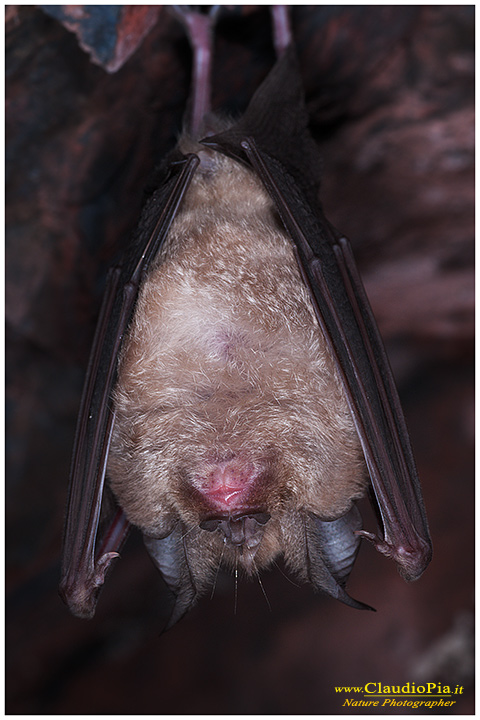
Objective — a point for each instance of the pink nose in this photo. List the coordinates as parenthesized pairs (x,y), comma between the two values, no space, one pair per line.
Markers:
(228,483)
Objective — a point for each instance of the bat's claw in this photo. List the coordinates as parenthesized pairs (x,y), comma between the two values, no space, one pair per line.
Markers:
(183,11)
(380,545)
(199,28)
(282,32)
(101,567)
(411,559)
(81,594)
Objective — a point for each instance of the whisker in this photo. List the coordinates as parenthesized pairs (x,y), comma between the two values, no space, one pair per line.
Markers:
(287,577)
(262,587)
(187,533)
(236,583)
(217,571)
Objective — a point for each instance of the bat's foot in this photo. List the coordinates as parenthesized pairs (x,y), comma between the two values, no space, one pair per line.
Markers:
(282,31)
(199,27)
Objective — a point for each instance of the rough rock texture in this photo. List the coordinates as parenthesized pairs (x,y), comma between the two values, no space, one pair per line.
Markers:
(390,89)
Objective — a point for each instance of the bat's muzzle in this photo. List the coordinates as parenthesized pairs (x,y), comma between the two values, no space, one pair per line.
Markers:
(240,531)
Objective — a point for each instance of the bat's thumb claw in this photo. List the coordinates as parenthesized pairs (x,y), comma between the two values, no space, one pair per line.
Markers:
(412,558)
(101,567)
(81,593)
(380,545)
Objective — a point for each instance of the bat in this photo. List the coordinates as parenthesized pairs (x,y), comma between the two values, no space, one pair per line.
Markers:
(238,399)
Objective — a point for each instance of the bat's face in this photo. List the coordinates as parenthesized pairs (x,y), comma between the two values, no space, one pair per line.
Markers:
(231,420)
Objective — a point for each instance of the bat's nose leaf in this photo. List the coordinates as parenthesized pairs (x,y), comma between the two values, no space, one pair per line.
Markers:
(240,530)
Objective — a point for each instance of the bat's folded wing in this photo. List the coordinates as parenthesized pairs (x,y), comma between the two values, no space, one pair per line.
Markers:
(86,556)
(273,138)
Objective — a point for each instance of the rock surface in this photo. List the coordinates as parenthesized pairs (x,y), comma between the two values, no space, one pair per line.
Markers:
(390,90)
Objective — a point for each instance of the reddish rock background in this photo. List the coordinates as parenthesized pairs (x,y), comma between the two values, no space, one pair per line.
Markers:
(92,104)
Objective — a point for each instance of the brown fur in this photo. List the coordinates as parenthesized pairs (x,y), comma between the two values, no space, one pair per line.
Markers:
(224,358)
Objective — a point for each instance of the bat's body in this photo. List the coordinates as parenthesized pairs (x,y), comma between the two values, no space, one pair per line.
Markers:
(228,402)
(241,410)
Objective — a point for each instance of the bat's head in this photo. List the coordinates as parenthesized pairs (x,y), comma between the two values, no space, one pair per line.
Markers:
(209,503)
(232,499)
(231,496)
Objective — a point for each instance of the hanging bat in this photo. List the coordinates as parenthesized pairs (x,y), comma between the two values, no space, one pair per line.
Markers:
(238,390)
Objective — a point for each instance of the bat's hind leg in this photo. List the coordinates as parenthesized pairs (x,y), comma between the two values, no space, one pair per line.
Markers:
(199,27)
(282,31)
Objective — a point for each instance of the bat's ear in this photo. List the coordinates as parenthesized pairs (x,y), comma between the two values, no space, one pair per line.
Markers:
(332,548)
(169,556)
(277,120)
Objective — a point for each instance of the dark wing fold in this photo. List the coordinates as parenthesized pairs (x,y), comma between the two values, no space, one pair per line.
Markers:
(277,119)
(340,542)
(280,150)
(331,549)
(87,557)
(171,558)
